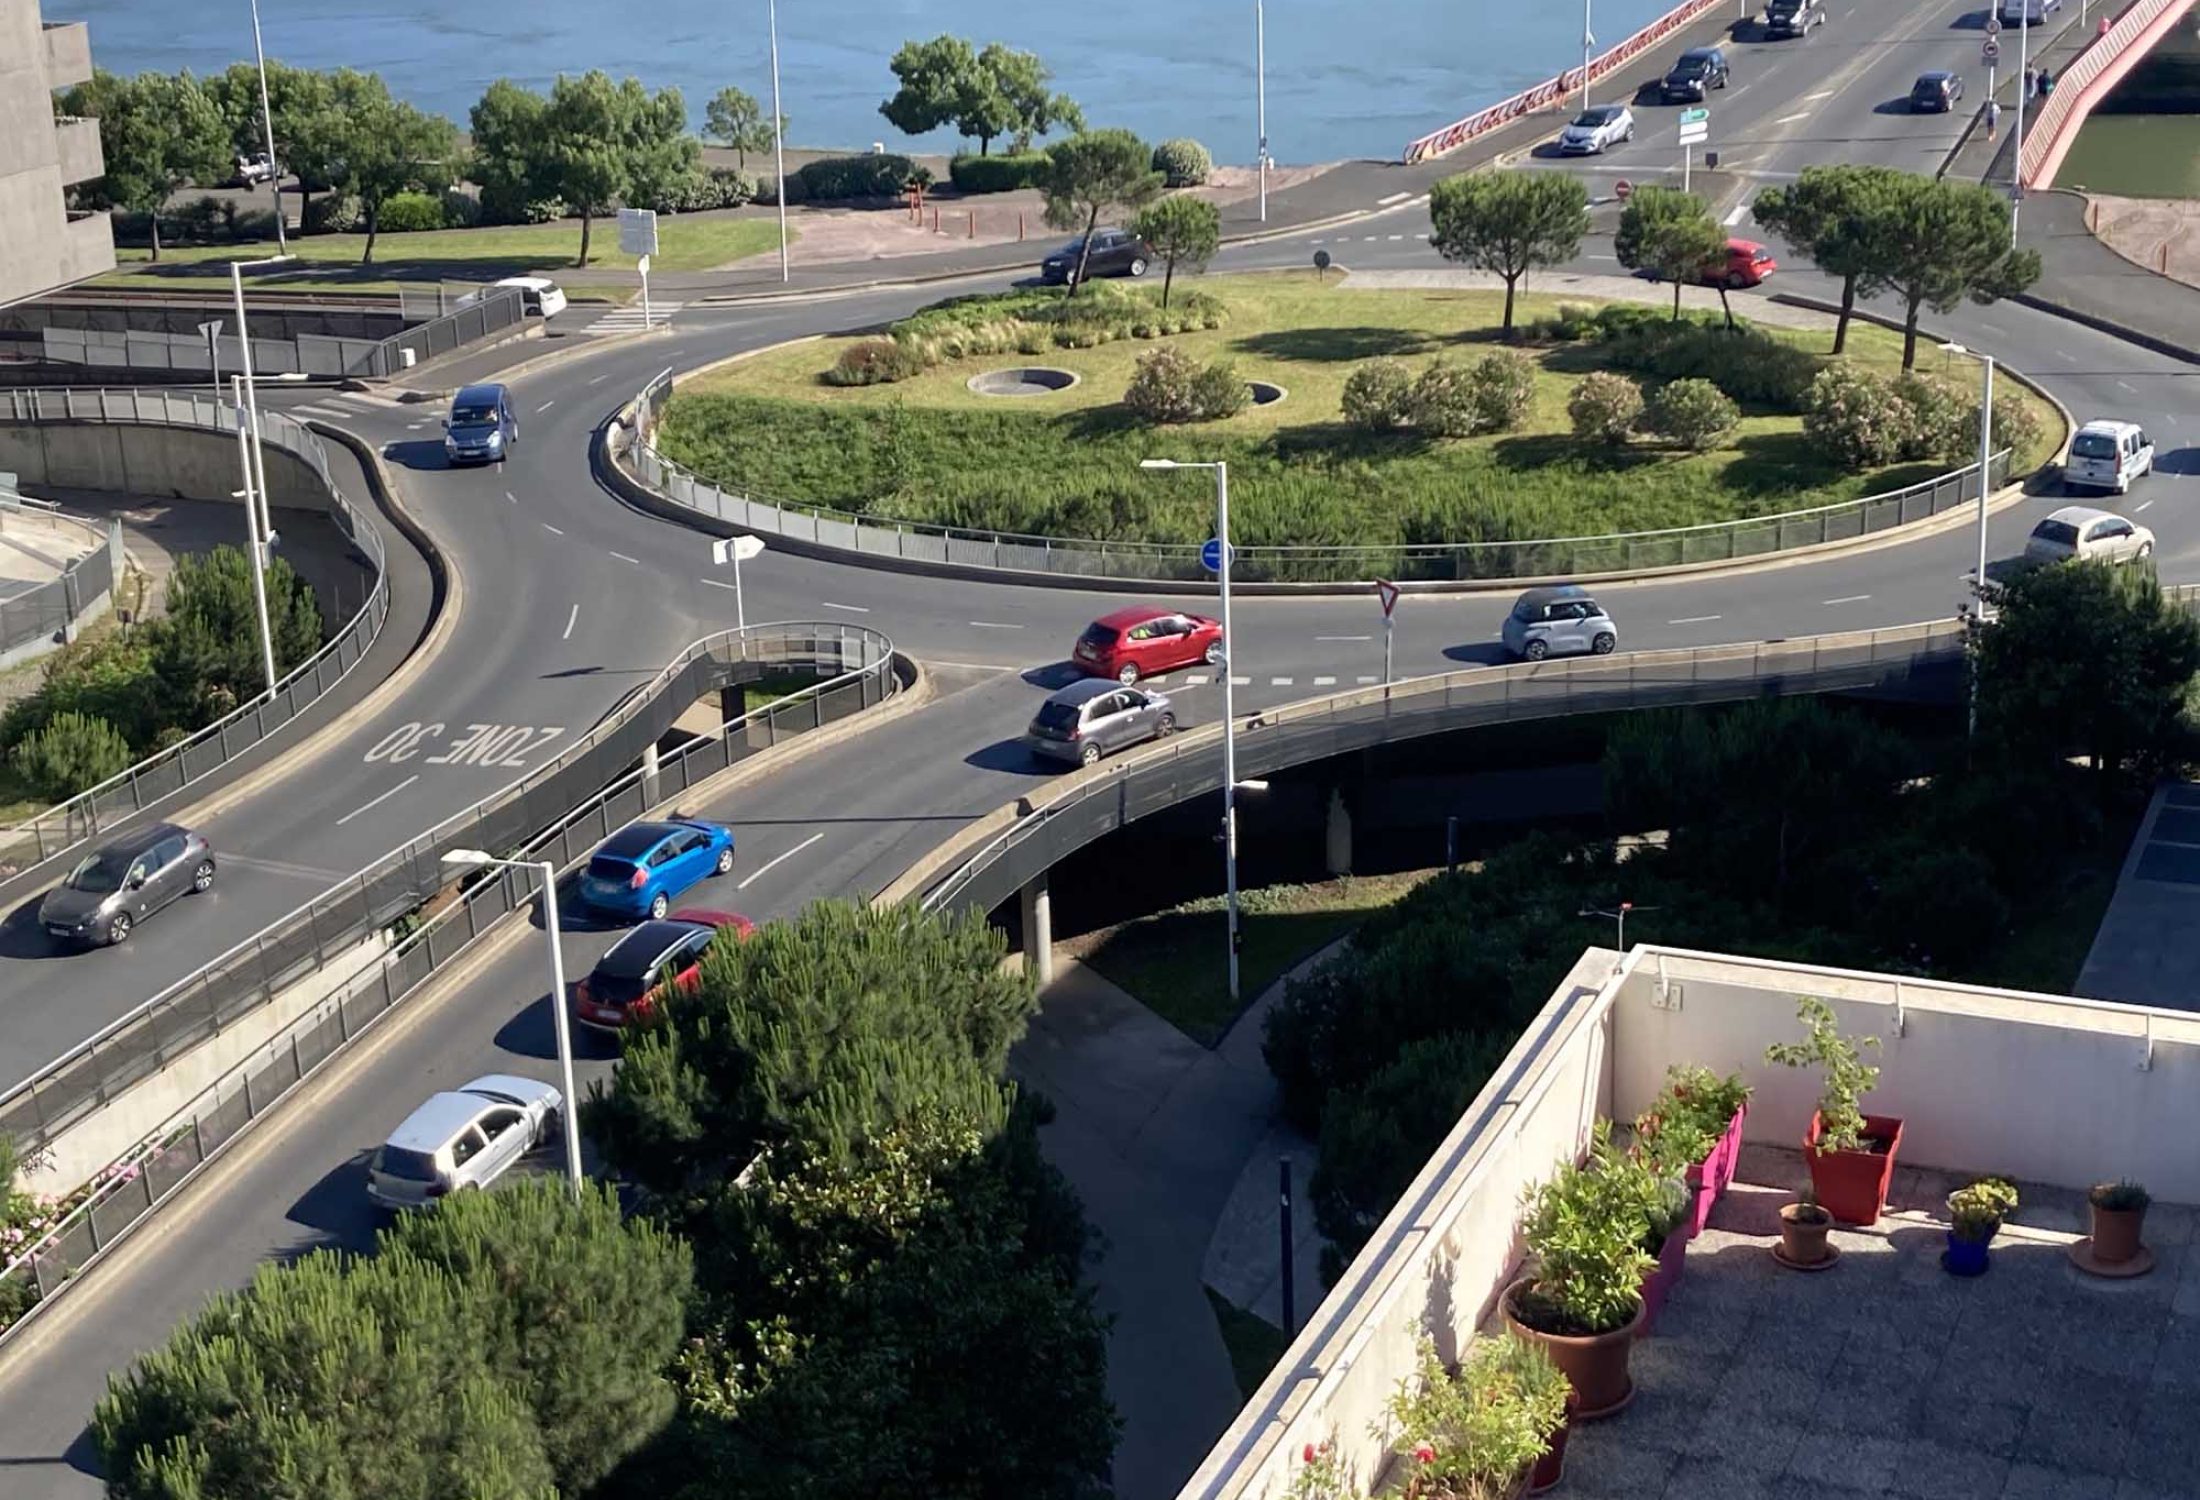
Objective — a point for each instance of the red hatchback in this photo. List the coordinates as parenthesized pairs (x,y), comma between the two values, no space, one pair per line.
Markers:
(1142,641)
(1747,264)
(624,986)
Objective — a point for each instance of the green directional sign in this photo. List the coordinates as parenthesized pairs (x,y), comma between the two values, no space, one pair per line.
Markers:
(1693,116)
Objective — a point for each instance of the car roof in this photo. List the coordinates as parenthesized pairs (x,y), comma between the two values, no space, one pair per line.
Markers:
(1083,690)
(440,1116)
(1937,75)
(510,1086)
(1134,614)
(1553,593)
(2078,515)
(1703,52)
(138,840)
(530,283)
(637,839)
(2109,425)
(644,945)
(486,391)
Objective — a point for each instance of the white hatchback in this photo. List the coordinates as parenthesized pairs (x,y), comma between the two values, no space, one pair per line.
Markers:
(2083,534)
(2108,456)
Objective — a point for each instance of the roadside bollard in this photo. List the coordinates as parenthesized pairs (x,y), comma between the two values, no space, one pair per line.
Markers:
(935,221)
(1019,225)
(973,224)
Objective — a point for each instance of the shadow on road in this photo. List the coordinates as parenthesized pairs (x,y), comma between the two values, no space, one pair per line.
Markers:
(533,1033)
(337,1210)
(1479,654)
(2177,461)
(416,453)
(22,937)
(1014,757)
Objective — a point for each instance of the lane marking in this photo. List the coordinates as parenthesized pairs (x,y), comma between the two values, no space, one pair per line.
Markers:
(1998,333)
(622,557)
(2127,385)
(2142,505)
(600,379)
(1241,682)
(1366,681)
(1849,599)
(854,609)
(1344,638)
(323,878)
(1397,236)
(716,583)
(1279,682)
(1371,239)
(1393,198)
(1791,119)
(1821,94)
(511,497)
(990,625)
(570,621)
(1325,682)
(1696,620)
(377,802)
(553,401)
(761,869)
(546,526)
(1740,213)
(1197,679)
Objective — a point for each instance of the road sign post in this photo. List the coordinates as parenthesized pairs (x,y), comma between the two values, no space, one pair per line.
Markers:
(1387,592)
(1210,554)
(1622,189)
(1695,130)
(642,265)
(733,549)
(638,237)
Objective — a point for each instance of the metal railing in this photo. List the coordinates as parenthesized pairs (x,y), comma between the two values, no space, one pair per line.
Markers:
(1073,812)
(1486,562)
(493,310)
(2055,121)
(48,611)
(252,973)
(169,771)
(137,1182)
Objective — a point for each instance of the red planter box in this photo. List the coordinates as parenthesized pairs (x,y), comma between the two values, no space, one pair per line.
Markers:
(1702,1181)
(1728,1153)
(1852,1185)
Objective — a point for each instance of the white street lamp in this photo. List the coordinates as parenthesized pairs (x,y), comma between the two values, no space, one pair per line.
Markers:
(267,130)
(1231,786)
(2024,72)
(1260,90)
(257,520)
(1985,458)
(1588,40)
(475,859)
(779,145)
(212,330)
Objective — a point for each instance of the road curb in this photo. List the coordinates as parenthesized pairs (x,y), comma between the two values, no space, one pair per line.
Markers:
(2109,326)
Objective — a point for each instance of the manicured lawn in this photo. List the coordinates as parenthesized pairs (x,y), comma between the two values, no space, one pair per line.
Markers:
(686,243)
(929,449)
(1255,1344)
(1173,961)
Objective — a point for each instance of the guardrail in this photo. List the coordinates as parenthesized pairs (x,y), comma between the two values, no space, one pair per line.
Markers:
(169,771)
(136,1183)
(2085,80)
(990,861)
(251,974)
(49,611)
(1127,562)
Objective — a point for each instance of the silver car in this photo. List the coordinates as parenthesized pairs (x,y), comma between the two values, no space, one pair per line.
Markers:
(2083,534)
(125,882)
(467,1138)
(1597,130)
(1097,717)
(1558,621)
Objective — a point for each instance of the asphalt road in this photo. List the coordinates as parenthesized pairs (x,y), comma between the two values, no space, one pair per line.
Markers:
(570,598)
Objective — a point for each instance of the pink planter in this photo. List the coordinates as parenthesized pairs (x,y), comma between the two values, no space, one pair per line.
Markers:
(1703,1191)
(1727,1155)
(1672,1260)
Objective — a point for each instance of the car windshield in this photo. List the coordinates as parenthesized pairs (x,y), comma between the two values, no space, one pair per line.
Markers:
(1693,65)
(2093,445)
(1073,247)
(101,874)
(1602,115)
(1784,7)
(1527,611)
(2056,531)
(1055,717)
(412,1166)
(473,416)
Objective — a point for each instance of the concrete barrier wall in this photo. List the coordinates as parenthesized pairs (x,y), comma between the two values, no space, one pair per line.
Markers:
(145,460)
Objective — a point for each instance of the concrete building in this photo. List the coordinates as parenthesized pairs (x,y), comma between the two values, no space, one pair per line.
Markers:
(43,245)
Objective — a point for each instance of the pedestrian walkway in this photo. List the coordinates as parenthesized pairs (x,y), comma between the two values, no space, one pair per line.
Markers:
(2147,951)
(628,319)
(342,406)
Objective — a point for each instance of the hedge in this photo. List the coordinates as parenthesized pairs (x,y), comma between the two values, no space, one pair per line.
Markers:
(880,176)
(409,213)
(998,174)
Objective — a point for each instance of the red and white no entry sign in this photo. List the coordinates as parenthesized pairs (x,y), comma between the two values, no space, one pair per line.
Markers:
(1621,189)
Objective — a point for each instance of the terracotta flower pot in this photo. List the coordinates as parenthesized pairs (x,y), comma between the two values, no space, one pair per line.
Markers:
(1672,1260)
(1595,1365)
(1551,1467)
(1803,1234)
(2116,1234)
(1852,1185)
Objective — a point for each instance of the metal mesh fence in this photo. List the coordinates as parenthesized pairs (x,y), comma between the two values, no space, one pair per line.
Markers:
(47,611)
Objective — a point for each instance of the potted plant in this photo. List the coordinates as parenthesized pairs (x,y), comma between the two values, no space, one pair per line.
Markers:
(2119,1213)
(1551,1467)
(1321,1475)
(1478,1433)
(1851,1154)
(1804,1226)
(1721,1105)
(1974,1218)
(1667,1231)
(1582,1299)
(1680,1148)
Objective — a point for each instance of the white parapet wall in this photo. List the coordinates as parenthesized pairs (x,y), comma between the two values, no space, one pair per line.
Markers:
(2058,1091)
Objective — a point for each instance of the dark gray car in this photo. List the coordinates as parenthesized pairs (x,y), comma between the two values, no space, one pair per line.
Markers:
(125,882)
(1097,717)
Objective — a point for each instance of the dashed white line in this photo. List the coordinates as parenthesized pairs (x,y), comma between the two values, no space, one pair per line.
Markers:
(1791,119)
(2142,505)
(1696,620)
(1344,638)
(1325,682)
(1821,94)
(716,583)
(511,497)
(1241,682)
(1370,239)
(990,625)
(1741,212)
(600,379)
(760,870)
(553,401)
(1197,679)
(1849,599)
(853,609)
(1990,328)
(2127,385)
(622,557)
(1397,236)
(1367,680)
(1279,682)
(377,802)
(570,621)
(1393,198)
(546,526)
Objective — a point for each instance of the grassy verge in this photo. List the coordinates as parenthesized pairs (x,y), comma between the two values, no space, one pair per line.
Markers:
(1255,1344)
(331,261)
(929,449)
(1173,961)
(766,691)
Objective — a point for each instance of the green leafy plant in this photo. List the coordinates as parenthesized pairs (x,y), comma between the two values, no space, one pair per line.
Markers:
(1978,1210)
(1847,1077)
(71,753)
(1604,408)
(1691,412)
(874,362)
(1321,1475)
(1378,396)
(1705,1096)
(1501,385)
(1473,1434)
(1182,162)
(1585,1226)
(2121,1196)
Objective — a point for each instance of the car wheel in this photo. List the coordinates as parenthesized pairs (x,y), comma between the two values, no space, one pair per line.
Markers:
(658,906)
(1127,673)
(202,879)
(1164,726)
(2146,550)
(1604,643)
(1628,134)
(1213,656)
(1736,280)
(118,930)
(1536,650)
(725,860)
(1138,265)
(1089,756)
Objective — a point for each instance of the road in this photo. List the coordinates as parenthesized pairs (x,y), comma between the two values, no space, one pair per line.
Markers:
(569,597)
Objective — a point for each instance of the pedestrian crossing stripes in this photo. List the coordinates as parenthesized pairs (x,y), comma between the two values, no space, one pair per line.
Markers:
(333,406)
(629,319)
(1203,679)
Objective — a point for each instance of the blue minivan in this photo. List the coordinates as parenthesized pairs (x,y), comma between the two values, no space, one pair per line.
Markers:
(481,428)
(638,870)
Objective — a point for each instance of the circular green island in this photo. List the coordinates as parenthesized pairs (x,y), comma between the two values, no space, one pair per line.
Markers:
(1409,419)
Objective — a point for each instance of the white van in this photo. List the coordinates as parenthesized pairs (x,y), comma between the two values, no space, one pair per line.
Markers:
(2108,456)
(2025,12)
(542,296)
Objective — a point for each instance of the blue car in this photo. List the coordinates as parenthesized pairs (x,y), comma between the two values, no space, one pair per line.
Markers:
(638,870)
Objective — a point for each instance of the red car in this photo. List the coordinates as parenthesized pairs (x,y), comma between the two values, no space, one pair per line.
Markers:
(1142,641)
(624,986)
(1747,264)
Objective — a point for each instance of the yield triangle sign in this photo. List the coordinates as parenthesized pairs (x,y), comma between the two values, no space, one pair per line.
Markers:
(1388,593)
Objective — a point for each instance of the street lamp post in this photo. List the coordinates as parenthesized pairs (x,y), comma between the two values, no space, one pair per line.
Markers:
(1588,40)
(480,859)
(1977,614)
(257,520)
(2016,168)
(267,131)
(1260,90)
(213,331)
(779,145)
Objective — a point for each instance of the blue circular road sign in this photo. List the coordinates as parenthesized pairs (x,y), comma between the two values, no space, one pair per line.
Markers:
(1210,554)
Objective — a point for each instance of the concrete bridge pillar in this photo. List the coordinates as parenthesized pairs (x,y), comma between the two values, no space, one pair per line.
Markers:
(1337,835)
(1038,917)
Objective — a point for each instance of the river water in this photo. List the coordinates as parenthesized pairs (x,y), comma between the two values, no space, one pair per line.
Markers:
(1345,77)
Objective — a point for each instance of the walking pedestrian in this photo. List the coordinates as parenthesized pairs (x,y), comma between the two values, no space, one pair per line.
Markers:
(2047,83)
(1993,117)
(2031,83)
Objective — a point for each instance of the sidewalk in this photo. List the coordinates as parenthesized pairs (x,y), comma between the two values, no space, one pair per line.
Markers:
(2147,951)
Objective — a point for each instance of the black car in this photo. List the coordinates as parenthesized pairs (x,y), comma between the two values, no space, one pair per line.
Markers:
(1115,252)
(125,882)
(1935,93)
(1700,70)
(1793,17)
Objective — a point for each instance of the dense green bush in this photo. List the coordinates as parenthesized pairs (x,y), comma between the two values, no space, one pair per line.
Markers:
(71,753)
(698,192)
(510,206)
(1693,413)
(1041,318)
(1751,366)
(1444,401)
(1378,396)
(877,176)
(873,362)
(1941,424)
(1182,162)
(998,174)
(1501,387)
(409,213)
(1604,408)
(1858,418)
(1170,386)
(1218,391)
(460,210)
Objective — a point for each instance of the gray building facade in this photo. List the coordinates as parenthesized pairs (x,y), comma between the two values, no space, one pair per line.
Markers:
(42,245)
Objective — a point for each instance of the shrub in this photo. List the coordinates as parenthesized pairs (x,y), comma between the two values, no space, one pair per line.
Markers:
(1476,1433)
(874,362)
(1378,396)
(1219,391)
(767,189)
(460,210)
(332,213)
(409,213)
(1694,413)
(1751,366)
(1585,1226)
(1857,417)
(1444,401)
(1161,388)
(507,206)
(998,174)
(1604,408)
(880,176)
(70,754)
(1501,386)
(1846,1076)
(2016,424)
(1937,419)
(1182,162)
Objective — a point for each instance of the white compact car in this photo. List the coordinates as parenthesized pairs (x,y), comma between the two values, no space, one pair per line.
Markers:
(2079,533)
(2108,456)
(462,1140)
(1597,130)
(542,297)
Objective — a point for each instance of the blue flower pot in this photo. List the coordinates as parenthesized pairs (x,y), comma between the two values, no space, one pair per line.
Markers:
(1964,1257)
